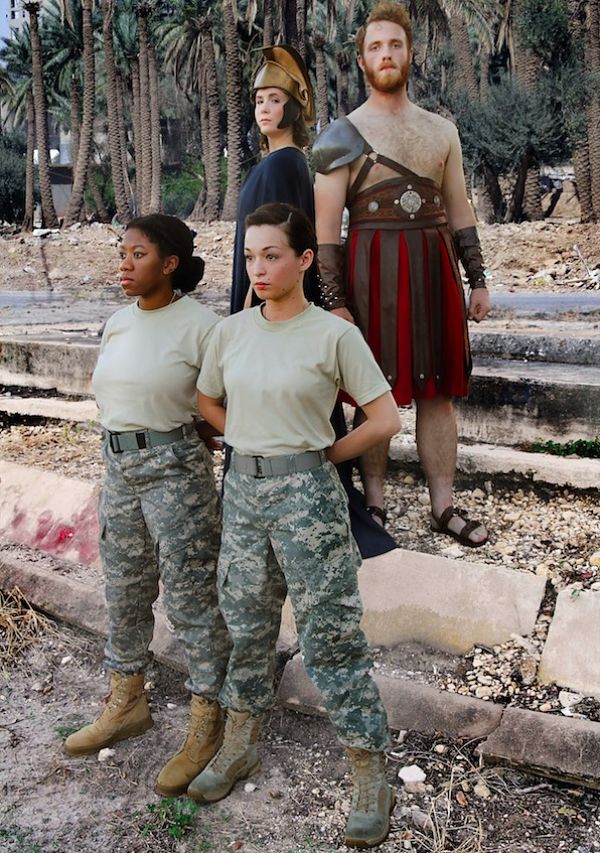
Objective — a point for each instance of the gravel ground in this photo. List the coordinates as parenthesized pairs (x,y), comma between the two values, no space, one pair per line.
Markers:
(296,804)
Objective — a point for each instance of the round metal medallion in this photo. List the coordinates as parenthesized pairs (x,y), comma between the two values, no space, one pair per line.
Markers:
(410,201)
(436,200)
(372,206)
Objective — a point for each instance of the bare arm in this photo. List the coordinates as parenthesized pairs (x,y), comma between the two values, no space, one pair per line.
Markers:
(461,215)
(213,411)
(454,191)
(383,421)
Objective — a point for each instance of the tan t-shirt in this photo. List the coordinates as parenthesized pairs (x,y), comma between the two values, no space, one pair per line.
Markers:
(148,365)
(281,379)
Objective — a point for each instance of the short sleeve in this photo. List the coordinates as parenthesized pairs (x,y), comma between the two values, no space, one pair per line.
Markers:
(210,379)
(205,338)
(360,375)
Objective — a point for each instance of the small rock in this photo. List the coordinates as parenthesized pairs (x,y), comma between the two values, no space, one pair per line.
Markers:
(478,494)
(249,787)
(545,707)
(528,670)
(402,734)
(483,692)
(568,699)
(423,499)
(65,660)
(415,788)
(453,552)
(421,819)
(171,705)
(440,748)
(481,790)
(37,686)
(409,480)
(411,773)
(105,754)
(595,559)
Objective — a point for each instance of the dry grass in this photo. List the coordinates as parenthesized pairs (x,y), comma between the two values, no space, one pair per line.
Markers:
(20,626)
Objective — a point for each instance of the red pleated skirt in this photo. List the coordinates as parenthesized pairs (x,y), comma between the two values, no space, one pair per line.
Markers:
(407,298)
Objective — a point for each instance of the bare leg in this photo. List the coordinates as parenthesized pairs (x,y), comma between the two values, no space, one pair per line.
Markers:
(372,466)
(436,443)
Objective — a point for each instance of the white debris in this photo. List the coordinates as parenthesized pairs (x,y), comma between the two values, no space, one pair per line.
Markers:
(411,774)
(249,787)
(105,754)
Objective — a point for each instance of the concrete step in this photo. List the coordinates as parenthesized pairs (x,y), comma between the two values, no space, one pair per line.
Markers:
(521,401)
(50,363)
(489,460)
(77,411)
(563,343)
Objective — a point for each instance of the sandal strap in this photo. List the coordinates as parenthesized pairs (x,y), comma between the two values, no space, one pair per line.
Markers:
(445,517)
(378,512)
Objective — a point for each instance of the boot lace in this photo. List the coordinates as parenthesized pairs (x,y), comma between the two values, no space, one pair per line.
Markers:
(232,742)
(367,782)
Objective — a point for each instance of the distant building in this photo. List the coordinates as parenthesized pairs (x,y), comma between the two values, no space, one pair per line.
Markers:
(16,15)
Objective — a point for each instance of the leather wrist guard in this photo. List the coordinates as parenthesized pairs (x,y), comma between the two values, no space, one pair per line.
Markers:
(468,249)
(331,266)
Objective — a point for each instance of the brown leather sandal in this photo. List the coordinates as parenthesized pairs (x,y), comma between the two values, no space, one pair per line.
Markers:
(378,512)
(463,535)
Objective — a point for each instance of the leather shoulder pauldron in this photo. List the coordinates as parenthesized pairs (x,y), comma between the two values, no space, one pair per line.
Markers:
(337,145)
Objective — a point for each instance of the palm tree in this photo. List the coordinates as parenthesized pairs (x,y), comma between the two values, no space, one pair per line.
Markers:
(592,61)
(144,167)
(155,200)
(234,117)
(579,110)
(41,114)
(115,117)
(16,95)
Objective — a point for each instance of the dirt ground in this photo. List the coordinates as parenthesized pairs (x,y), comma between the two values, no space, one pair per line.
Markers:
(296,804)
(84,259)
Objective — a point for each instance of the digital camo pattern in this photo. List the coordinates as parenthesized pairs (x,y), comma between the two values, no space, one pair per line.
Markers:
(160,513)
(298,522)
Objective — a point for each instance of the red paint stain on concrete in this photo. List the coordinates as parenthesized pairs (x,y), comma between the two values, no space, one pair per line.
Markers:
(60,536)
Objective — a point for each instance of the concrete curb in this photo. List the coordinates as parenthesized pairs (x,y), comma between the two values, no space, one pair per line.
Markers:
(567,750)
(551,746)
(493,460)
(80,604)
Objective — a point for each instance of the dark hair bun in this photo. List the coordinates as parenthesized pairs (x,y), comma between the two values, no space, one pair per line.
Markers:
(188,274)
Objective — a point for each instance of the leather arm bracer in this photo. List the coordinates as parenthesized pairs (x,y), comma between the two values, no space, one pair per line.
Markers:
(331,269)
(468,249)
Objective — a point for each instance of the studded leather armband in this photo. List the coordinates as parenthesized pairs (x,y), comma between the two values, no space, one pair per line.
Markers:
(468,249)
(331,267)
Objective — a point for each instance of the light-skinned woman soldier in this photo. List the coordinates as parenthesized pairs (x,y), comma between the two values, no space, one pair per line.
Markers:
(159,510)
(280,366)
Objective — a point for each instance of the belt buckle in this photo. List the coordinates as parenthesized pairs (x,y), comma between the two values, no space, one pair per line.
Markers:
(141,440)
(258,460)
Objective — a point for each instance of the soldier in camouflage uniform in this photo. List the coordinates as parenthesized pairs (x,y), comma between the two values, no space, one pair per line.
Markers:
(286,526)
(160,514)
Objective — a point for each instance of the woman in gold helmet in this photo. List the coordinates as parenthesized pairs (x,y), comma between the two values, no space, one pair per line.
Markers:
(284,111)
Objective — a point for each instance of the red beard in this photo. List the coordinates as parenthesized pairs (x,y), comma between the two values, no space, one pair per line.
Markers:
(388,81)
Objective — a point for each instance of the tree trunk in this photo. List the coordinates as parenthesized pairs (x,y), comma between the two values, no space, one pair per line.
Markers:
(103,214)
(342,85)
(137,133)
(49,216)
(123,146)
(212,161)
(322,104)
(290,26)
(580,142)
(526,69)
(516,208)
(464,70)
(268,23)
(484,71)
(234,118)
(593,111)
(145,176)
(27,224)
(155,200)
(114,120)
(87,123)
(199,210)
(301,27)
(75,103)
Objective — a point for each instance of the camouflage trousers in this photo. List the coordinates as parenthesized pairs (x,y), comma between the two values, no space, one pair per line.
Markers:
(160,516)
(292,533)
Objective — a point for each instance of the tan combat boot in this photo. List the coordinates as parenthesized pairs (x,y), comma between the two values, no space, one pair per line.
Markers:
(372,799)
(205,735)
(237,759)
(126,715)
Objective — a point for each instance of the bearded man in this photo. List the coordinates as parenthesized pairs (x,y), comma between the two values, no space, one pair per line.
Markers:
(398,169)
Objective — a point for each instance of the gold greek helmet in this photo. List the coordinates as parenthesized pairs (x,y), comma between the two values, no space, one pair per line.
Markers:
(284,68)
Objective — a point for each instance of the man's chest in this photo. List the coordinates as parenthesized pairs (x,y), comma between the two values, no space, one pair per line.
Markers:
(417,145)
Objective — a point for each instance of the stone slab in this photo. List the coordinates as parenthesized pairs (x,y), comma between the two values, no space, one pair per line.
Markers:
(493,460)
(48,364)
(80,411)
(448,604)
(564,749)
(409,705)
(55,514)
(80,604)
(563,345)
(570,656)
